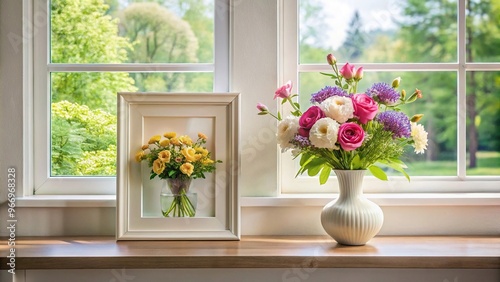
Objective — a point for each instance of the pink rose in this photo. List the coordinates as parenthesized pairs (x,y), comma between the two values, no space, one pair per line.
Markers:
(347,71)
(308,119)
(350,136)
(365,108)
(284,91)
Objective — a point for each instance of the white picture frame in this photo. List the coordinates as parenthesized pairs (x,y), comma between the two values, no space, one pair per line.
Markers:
(142,115)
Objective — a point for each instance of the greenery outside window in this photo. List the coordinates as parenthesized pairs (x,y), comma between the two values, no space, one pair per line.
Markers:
(444,48)
(88,50)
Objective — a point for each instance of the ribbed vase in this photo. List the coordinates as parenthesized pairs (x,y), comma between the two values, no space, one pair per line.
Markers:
(351,219)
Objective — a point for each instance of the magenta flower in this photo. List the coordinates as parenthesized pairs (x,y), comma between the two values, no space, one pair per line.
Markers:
(261,107)
(308,119)
(284,91)
(365,108)
(347,71)
(351,136)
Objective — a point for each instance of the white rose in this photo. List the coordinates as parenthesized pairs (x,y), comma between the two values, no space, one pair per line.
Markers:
(324,133)
(419,136)
(338,108)
(287,128)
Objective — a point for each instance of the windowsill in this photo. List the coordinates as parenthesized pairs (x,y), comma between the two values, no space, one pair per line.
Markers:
(393,199)
(468,252)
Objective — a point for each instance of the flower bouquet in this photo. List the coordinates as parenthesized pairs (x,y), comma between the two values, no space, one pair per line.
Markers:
(178,160)
(348,130)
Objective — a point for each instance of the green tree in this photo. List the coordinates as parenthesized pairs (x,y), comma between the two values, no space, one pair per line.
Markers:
(483,102)
(159,36)
(355,42)
(82,33)
(83,116)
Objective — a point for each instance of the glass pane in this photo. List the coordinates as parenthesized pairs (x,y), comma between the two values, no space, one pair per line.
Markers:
(483,31)
(384,31)
(83,115)
(131,31)
(483,121)
(440,119)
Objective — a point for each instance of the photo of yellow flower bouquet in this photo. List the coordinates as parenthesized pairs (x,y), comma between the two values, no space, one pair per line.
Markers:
(178,160)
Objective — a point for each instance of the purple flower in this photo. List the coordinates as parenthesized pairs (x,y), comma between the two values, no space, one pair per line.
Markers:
(326,93)
(383,93)
(396,122)
(301,141)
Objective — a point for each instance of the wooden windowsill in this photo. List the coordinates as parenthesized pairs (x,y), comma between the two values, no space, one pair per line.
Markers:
(254,252)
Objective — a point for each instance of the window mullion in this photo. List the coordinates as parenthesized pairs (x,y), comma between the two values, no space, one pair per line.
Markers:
(130,67)
(461,90)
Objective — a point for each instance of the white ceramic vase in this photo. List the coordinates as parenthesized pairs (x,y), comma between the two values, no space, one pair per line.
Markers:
(351,219)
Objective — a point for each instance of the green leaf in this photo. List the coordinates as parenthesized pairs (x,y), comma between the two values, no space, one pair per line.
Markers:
(325,174)
(283,101)
(297,105)
(356,162)
(396,165)
(262,113)
(152,175)
(328,74)
(314,167)
(279,116)
(378,172)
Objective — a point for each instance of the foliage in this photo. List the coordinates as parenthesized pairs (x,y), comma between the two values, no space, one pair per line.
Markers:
(79,137)
(177,157)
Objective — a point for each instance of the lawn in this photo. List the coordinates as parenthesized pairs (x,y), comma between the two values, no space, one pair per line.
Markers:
(488,164)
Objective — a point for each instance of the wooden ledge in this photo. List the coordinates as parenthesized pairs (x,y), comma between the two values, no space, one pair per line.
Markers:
(254,252)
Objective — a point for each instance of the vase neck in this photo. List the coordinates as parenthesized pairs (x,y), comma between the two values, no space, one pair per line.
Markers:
(350,182)
(178,185)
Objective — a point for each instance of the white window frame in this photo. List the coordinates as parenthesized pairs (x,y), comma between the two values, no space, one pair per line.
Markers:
(290,68)
(37,68)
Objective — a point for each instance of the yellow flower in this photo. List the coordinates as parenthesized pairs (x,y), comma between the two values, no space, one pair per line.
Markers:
(165,142)
(184,139)
(139,155)
(189,154)
(207,161)
(154,139)
(202,136)
(164,156)
(170,134)
(175,141)
(202,150)
(158,166)
(145,146)
(198,156)
(187,169)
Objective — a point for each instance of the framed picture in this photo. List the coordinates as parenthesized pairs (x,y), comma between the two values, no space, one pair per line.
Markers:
(143,115)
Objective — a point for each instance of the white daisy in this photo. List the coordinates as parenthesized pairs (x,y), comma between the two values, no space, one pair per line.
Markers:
(419,136)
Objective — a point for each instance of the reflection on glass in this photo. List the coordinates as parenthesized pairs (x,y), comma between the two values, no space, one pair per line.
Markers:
(83,115)
(440,114)
(385,31)
(483,121)
(131,31)
(483,30)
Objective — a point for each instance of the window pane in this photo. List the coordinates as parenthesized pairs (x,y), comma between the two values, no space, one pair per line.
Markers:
(483,121)
(130,31)
(483,31)
(383,31)
(83,115)
(438,106)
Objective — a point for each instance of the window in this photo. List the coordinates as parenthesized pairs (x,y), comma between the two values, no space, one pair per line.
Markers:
(85,51)
(444,48)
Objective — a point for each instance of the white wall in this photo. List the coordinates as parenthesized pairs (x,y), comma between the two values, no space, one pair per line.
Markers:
(254,74)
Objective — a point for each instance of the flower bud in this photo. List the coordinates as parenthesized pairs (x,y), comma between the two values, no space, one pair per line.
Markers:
(419,93)
(403,94)
(396,82)
(347,71)
(416,118)
(359,74)
(331,59)
(261,107)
